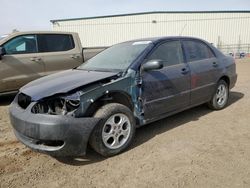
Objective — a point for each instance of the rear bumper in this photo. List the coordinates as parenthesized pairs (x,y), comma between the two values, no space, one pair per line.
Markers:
(51,134)
(233,80)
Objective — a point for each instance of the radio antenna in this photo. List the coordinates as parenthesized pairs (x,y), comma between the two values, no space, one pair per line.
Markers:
(184,27)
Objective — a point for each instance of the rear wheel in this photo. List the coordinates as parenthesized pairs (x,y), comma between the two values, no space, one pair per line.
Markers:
(220,97)
(115,131)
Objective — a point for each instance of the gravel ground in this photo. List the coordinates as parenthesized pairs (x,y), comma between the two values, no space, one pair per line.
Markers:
(195,148)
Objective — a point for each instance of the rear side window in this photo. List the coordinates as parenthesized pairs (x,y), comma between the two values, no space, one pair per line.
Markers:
(21,45)
(196,50)
(169,52)
(55,42)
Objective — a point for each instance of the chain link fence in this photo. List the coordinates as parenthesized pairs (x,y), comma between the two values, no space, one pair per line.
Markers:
(235,48)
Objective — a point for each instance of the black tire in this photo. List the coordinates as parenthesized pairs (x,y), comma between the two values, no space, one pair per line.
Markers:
(214,103)
(105,113)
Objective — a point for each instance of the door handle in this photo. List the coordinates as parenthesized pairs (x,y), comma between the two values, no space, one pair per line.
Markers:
(36,59)
(215,64)
(75,56)
(184,71)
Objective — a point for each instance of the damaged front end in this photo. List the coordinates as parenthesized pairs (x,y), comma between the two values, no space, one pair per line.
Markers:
(59,124)
(49,126)
(64,105)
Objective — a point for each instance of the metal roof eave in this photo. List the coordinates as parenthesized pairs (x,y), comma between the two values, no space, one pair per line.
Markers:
(153,12)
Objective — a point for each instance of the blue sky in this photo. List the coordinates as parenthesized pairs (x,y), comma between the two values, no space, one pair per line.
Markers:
(36,14)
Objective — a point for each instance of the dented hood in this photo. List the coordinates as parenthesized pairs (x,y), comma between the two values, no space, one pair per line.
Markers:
(62,82)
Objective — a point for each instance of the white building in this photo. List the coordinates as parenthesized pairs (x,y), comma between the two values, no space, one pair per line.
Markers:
(228,30)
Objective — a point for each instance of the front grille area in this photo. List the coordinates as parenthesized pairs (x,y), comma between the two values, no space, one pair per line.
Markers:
(23,100)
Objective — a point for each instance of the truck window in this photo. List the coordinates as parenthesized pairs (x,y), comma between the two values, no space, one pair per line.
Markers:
(196,50)
(169,52)
(55,42)
(21,45)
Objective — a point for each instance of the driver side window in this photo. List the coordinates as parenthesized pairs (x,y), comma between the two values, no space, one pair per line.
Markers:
(169,52)
(21,45)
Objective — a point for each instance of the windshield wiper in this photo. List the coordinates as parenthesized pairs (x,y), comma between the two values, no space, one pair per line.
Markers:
(101,70)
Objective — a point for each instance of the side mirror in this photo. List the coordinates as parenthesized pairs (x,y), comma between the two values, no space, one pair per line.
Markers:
(152,65)
(2,52)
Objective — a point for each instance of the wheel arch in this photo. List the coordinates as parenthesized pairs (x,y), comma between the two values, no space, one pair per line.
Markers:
(226,79)
(110,97)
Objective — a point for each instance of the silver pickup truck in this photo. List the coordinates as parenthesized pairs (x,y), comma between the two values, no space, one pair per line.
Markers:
(26,56)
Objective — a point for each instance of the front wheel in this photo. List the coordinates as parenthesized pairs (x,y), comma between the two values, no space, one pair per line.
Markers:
(115,131)
(220,97)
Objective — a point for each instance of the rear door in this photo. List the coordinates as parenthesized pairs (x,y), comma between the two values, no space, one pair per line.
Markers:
(21,63)
(168,89)
(59,52)
(204,70)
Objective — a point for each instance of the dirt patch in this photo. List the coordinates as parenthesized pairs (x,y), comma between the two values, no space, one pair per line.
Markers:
(9,143)
(195,148)
(9,165)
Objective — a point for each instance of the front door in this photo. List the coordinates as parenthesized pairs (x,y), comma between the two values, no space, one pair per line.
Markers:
(21,63)
(168,89)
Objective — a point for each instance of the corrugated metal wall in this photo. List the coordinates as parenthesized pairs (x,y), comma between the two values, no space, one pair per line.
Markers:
(218,28)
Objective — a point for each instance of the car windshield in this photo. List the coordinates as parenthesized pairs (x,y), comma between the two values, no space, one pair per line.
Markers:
(117,57)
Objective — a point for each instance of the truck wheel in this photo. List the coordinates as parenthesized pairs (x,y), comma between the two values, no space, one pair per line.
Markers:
(115,131)
(220,97)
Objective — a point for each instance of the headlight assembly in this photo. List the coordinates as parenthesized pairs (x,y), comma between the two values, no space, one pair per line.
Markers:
(62,105)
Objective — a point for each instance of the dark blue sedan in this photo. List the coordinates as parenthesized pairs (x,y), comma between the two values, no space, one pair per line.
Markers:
(126,86)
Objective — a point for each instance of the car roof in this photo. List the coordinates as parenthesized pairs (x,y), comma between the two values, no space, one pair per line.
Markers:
(158,39)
